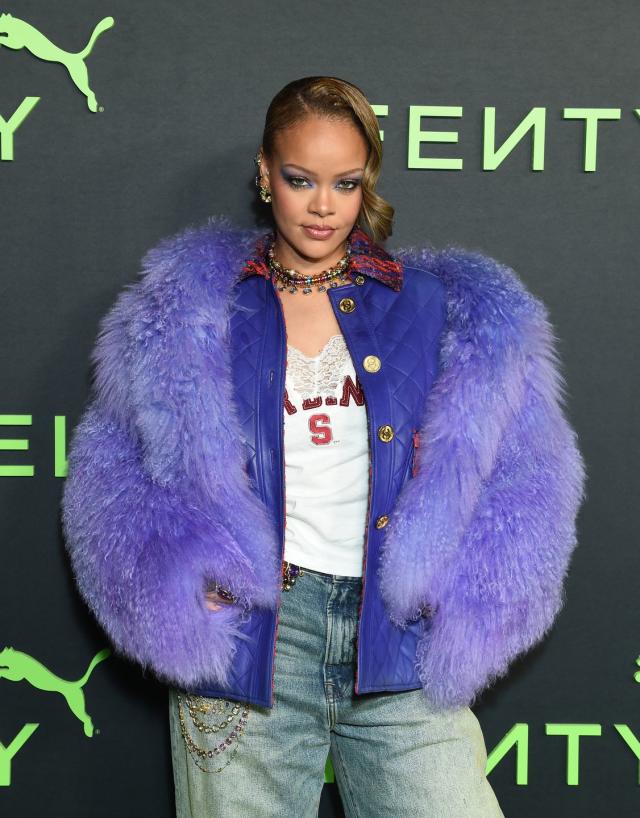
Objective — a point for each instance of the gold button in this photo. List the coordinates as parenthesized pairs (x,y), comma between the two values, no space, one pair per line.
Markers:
(359,279)
(347,304)
(385,433)
(382,521)
(372,363)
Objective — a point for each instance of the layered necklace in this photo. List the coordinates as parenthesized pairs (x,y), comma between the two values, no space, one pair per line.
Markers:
(288,279)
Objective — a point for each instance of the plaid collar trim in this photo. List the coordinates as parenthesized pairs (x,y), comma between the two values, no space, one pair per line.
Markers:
(367,258)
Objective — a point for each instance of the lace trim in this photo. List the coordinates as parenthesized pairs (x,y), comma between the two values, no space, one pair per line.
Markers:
(312,375)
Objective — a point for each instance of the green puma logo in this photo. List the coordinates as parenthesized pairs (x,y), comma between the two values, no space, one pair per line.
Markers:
(17,34)
(16,666)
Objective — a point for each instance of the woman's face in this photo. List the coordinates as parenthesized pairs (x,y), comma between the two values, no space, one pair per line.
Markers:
(315,179)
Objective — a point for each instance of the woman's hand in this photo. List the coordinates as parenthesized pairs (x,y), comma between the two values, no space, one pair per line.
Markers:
(214,600)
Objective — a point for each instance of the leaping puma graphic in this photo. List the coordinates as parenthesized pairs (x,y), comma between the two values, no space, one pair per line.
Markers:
(17,34)
(16,666)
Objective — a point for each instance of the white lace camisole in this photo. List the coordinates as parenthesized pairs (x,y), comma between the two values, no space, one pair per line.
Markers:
(326,453)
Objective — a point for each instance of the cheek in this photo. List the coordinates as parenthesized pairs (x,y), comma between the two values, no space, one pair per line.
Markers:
(287,202)
(355,202)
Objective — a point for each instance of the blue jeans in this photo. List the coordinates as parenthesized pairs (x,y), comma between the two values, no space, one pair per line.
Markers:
(393,753)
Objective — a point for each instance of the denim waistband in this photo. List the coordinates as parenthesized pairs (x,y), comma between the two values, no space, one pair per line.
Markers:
(332,577)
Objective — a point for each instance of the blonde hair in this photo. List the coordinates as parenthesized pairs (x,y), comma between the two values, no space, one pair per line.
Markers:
(337,99)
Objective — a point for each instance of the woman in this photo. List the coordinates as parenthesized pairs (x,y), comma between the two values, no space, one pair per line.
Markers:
(327,494)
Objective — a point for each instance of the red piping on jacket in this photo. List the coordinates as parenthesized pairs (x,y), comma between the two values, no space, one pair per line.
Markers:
(366,542)
(284,488)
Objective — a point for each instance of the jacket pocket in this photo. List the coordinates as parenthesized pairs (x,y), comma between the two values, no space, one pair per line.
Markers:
(415,445)
(411,463)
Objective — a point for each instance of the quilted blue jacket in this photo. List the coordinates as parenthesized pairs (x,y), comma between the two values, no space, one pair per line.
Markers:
(176,473)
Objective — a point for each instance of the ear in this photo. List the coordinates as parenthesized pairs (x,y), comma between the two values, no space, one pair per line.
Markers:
(264,165)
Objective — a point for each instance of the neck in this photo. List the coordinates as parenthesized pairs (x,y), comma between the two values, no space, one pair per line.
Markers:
(302,265)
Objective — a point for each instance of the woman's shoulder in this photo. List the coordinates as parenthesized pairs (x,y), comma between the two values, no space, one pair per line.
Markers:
(469,279)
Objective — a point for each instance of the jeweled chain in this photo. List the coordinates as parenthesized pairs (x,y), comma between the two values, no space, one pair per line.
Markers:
(216,707)
(290,573)
(199,704)
(289,278)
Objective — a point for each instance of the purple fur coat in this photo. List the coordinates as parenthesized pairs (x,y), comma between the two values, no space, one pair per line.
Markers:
(156,501)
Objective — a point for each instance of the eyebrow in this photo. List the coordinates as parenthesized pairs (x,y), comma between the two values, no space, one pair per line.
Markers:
(311,173)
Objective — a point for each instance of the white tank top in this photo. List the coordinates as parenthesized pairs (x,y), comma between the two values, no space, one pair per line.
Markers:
(326,454)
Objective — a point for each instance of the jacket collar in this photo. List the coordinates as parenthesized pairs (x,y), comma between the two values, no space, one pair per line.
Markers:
(367,258)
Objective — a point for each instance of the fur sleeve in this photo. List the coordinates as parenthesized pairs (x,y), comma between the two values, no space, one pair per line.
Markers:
(503,591)
(141,556)
(143,549)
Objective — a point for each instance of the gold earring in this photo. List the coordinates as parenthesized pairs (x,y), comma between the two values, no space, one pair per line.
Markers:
(265,195)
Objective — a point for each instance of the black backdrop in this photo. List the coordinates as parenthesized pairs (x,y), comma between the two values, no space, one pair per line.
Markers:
(184,89)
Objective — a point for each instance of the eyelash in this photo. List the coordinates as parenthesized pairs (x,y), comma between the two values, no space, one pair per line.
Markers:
(291,180)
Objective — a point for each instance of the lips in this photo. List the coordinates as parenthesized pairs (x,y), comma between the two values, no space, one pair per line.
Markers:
(318,233)
(320,227)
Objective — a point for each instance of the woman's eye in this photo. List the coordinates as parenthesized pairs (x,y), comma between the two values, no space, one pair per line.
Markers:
(353,182)
(299,182)
(294,181)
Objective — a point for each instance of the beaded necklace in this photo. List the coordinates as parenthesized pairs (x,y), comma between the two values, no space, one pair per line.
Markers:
(289,278)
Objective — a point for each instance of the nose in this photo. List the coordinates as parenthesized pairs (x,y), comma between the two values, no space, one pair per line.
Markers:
(321,203)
